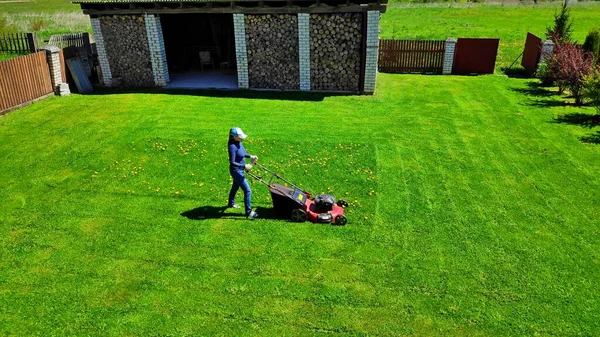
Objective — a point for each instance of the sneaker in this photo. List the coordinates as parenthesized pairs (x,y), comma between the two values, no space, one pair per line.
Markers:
(253,215)
(233,206)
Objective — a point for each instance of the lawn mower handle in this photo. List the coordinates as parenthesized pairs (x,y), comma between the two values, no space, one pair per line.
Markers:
(276,175)
(260,179)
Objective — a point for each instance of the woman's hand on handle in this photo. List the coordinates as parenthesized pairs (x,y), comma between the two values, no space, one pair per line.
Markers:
(254,159)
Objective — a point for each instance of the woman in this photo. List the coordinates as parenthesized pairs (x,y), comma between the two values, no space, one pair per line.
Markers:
(237,164)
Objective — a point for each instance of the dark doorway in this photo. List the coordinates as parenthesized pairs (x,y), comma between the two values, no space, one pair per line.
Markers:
(200,50)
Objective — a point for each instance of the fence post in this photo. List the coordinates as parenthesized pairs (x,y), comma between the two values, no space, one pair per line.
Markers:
(86,43)
(449,47)
(547,48)
(32,42)
(53,59)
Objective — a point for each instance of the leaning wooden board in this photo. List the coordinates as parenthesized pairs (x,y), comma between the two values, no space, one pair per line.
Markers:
(78,73)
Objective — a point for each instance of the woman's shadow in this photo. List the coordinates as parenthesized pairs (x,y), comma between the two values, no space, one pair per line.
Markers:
(214,212)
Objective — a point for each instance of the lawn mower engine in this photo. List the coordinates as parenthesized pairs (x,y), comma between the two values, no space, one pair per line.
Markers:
(322,209)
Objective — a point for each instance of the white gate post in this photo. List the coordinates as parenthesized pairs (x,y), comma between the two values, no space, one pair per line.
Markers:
(449,48)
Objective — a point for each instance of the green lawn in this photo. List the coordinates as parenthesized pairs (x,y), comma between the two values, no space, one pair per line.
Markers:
(44,17)
(39,6)
(474,212)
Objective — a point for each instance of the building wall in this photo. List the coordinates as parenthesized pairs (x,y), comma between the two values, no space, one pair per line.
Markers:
(322,52)
(126,45)
(272,51)
(335,51)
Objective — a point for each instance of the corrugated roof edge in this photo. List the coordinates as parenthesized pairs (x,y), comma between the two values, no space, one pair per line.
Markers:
(148,1)
(152,1)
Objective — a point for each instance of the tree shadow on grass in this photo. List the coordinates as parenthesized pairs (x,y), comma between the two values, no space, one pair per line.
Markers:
(588,121)
(551,104)
(543,97)
(535,89)
(214,212)
(584,120)
(594,138)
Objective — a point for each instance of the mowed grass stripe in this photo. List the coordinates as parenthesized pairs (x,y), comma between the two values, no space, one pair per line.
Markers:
(501,150)
(496,163)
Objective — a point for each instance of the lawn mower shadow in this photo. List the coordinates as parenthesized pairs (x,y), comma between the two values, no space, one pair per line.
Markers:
(212,212)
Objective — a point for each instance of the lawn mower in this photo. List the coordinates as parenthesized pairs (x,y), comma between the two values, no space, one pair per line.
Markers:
(296,204)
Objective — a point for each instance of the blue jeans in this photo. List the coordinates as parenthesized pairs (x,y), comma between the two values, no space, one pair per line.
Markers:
(239,180)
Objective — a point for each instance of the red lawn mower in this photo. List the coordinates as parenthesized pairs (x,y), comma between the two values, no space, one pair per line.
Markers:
(296,204)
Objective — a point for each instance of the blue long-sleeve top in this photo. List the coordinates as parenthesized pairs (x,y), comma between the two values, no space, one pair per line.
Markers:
(237,155)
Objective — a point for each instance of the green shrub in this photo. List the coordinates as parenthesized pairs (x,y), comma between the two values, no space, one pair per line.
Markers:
(591,89)
(592,43)
(562,30)
(543,74)
(568,66)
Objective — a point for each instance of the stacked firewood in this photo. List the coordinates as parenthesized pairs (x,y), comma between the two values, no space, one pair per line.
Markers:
(127,49)
(272,47)
(335,51)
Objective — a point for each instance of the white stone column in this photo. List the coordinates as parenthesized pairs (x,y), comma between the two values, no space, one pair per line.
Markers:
(53,59)
(547,49)
(304,49)
(449,48)
(372,52)
(102,56)
(156,45)
(241,55)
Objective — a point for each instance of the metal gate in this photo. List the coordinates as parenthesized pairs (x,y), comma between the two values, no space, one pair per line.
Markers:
(532,52)
(475,56)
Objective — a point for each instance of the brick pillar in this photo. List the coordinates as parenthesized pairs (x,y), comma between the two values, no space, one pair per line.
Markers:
(241,55)
(449,48)
(102,57)
(53,59)
(304,49)
(547,49)
(156,45)
(372,52)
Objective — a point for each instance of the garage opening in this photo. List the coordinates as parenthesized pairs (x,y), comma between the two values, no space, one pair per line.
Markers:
(200,51)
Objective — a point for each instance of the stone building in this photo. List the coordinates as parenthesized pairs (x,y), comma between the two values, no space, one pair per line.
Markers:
(319,45)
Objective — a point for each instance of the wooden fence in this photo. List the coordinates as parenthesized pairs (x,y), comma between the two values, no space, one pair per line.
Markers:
(18,43)
(23,80)
(81,40)
(411,56)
